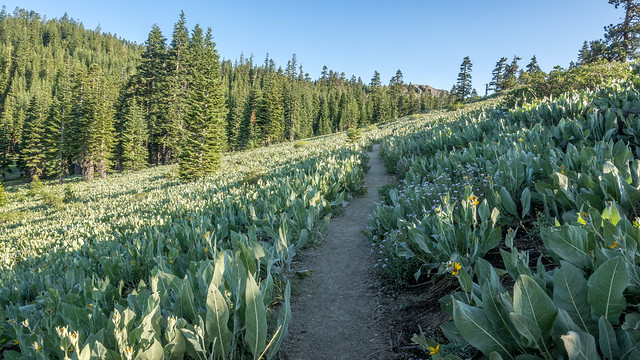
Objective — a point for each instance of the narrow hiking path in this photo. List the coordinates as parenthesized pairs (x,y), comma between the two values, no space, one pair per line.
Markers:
(336,310)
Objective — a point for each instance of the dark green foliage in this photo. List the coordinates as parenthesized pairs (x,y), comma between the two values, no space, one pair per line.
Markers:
(463,87)
(621,41)
(246,133)
(57,137)
(204,124)
(378,112)
(511,74)
(324,123)
(152,86)
(497,82)
(133,138)
(270,115)
(624,38)
(93,124)
(33,152)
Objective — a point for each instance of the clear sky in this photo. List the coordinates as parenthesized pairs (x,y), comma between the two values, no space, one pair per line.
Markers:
(426,39)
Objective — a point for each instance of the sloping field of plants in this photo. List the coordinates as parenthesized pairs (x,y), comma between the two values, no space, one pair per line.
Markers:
(144,266)
(534,213)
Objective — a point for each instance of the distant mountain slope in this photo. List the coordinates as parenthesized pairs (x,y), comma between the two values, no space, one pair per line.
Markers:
(426,89)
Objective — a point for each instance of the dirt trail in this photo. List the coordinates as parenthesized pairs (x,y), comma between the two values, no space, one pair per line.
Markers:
(336,312)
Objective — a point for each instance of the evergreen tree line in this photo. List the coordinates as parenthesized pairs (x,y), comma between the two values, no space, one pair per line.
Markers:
(79,101)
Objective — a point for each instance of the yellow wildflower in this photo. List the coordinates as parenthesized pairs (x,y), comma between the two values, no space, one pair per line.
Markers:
(16,342)
(456,269)
(206,249)
(615,243)
(434,350)
(521,139)
(474,200)
(128,352)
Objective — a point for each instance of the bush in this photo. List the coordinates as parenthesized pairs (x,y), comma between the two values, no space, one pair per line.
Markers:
(4,200)
(52,199)
(301,144)
(69,195)
(354,135)
(35,187)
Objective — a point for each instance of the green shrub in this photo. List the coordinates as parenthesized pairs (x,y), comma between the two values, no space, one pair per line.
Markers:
(354,135)
(69,195)
(4,200)
(52,199)
(301,144)
(35,187)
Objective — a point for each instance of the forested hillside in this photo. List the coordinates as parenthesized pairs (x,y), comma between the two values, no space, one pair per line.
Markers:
(74,100)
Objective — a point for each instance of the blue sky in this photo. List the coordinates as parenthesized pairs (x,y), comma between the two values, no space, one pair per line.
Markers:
(426,39)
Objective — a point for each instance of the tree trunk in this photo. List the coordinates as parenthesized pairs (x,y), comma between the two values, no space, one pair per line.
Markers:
(87,170)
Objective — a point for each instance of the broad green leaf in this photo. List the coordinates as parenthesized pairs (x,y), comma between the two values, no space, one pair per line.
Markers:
(517,171)
(606,287)
(525,201)
(564,323)
(155,352)
(216,322)
(476,329)
(403,250)
(255,319)
(497,313)
(529,331)
(607,339)
(188,305)
(568,242)
(530,301)
(570,292)
(304,239)
(580,346)
(507,202)
(284,318)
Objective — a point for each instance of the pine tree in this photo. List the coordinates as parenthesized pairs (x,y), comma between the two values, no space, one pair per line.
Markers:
(204,124)
(270,115)
(324,120)
(377,99)
(246,133)
(533,67)
(57,134)
(152,87)
(93,124)
(584,55)
(624,38)
(511,74)
(396,90)
(179,76)
(33,152)
(133,138)
(463,87)
(497,82)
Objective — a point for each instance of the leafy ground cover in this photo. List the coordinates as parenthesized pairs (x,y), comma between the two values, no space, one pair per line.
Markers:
(532,213)
(145,266)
